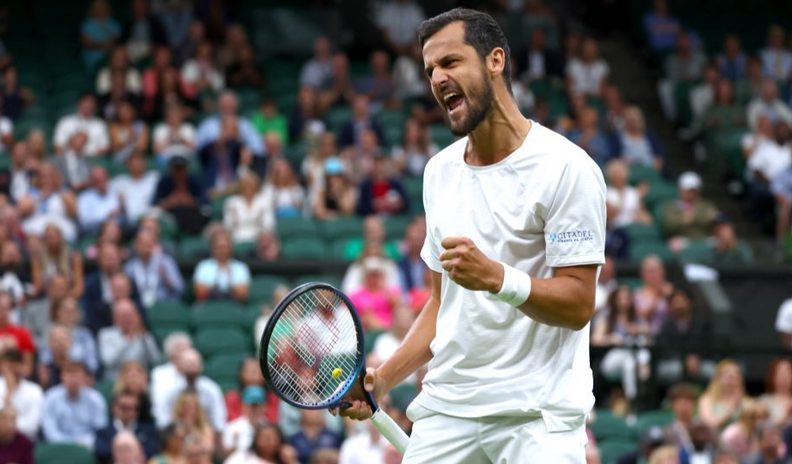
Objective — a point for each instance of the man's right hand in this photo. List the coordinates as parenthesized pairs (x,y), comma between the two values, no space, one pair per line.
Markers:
(358,407)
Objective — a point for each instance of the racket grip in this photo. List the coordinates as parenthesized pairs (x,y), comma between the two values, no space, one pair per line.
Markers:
(390,430)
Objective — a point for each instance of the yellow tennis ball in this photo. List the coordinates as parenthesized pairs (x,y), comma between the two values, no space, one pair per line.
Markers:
(337,372)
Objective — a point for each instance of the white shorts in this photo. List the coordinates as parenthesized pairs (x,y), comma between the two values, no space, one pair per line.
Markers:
(439,439)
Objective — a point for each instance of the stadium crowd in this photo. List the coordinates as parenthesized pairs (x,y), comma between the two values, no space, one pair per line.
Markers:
(153,199)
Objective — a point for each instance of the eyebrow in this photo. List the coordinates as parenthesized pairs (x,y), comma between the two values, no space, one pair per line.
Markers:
(443,61)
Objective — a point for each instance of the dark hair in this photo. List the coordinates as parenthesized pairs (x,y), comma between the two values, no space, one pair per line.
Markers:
(613,312)
(260,427)
(772,370)
(482,33)
(11,355)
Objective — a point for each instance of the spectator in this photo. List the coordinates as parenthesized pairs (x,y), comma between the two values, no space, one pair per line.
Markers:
(389,341)
(17,392)
(111,102)
(283,190)
(684,337)
(37,144)
(248,214)
(688,217)
(542,61)
(771,448)
(162,71)
(412,269)
(15,447)
(133,378)
(732,63)
(195,450)
(125,419)
(109,232)
(13,99)
(637,145)
(380,193)
(317,71)
(725,396)
(98,34)
(49,204)
(250,376)
(166,377)
(615,108)
(119,64)
(54,256)
(776,59)
(221,276)
(73,162)
(651,298)
(351,131)
(408,75)
(97,204)
(624,202)
(244,72)
(135,188)
(727,248)
(190,367)
(660,27)
(182,195)
(201,73)
(724,114)
(335,195)
(10,271)
(98,295)
(14,336)
(174,136)
(739,436)
(238,435)
(269,120)
(359,159)
(234,39)
(268,446)
(589,73)
(781,187)
(702,95)
(375,300)
(768,104)
(155,273)
(59,352)
(38,311)
(211,127)
(398,20)
(127,449)
(191,416)
(66,314)
(313,435)
(127,133)
(23,169)
(590,137)
(75,411)
(777,398)
(171,439)
(6,132)
(415,150)
(365,447)
(305,124)
(83,121)
(683,398)
(685,65)
(222,159)
(126,340)
(143,32)
(378,85)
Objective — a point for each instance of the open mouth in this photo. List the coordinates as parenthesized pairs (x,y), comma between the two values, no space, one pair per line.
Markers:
(453,101)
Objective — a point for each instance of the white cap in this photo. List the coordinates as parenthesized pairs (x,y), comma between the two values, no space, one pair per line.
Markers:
(689,181)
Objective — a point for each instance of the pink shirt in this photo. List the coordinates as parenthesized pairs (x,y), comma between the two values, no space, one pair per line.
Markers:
(378,303)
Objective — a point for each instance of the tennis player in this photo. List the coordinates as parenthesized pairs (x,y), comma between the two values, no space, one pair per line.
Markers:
(515,219)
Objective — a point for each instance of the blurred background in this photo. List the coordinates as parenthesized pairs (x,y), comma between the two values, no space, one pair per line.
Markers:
(170,168)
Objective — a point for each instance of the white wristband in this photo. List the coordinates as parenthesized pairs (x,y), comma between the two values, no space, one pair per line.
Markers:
(516,287)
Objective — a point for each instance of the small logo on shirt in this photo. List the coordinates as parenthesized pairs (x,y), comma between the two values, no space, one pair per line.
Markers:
(572,236)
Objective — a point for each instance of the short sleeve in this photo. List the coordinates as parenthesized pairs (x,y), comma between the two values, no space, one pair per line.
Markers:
(575,221)
(430,252)
(204,274)
(240,274)
(784,318)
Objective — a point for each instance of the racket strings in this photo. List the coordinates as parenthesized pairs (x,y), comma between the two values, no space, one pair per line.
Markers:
(313,352)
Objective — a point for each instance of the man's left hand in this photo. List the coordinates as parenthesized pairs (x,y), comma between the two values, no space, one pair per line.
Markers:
(469,267)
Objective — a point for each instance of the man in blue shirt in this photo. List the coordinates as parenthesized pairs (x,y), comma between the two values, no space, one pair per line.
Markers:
(74,411)
(210,128)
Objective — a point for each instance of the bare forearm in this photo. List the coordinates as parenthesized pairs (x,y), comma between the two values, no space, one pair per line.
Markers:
(562,301)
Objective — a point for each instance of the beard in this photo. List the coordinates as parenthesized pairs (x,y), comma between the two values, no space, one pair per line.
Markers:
(479,105)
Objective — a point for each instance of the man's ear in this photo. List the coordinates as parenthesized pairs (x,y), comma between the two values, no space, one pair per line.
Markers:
(496,61)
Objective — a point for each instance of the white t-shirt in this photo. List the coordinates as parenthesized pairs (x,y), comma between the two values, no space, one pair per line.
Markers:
(628,200)
(27,399)
(174,141)
(6,129)
(247,221)
(587,77)
(360,449)
(768,158)
(94,128)
(238,434)
(135,194)
(784,318)
(541,207)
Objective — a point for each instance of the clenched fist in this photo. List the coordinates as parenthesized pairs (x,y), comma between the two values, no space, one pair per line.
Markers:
(469,267)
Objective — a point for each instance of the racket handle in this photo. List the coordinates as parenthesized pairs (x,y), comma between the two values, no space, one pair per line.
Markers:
(390,430)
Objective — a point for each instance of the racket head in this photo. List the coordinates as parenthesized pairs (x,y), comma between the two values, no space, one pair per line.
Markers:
(311,351)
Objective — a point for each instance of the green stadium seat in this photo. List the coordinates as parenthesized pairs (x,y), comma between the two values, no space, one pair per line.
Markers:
(331,279)
(697,252)
(655,418)
(337,117)
(224,366)
(395,226)
(402,395)
(341,227)
(639,173)
(213,342)
(607,426)
(106,387)
(612,450)
(297,228)
(244,249)
(638,232)
(262,287)
(304,248)
(169,314)
(215,314)
(193,247)
(60,453)
(370,338)
(441,135)
(659,193)
(641,249)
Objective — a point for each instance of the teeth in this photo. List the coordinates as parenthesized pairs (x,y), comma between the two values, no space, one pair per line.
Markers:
(449,96)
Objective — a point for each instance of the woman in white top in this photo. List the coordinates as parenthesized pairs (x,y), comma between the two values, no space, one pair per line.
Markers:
(283,191)
(248,213)
(636,145)
(201,73)
(416,149)
(49,204)
(587,75)
(174,136)
(624,202)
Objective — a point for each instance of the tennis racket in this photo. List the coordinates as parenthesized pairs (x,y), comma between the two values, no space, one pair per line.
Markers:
(312,354)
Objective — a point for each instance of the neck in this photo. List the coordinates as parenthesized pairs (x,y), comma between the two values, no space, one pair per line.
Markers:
(500,133)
